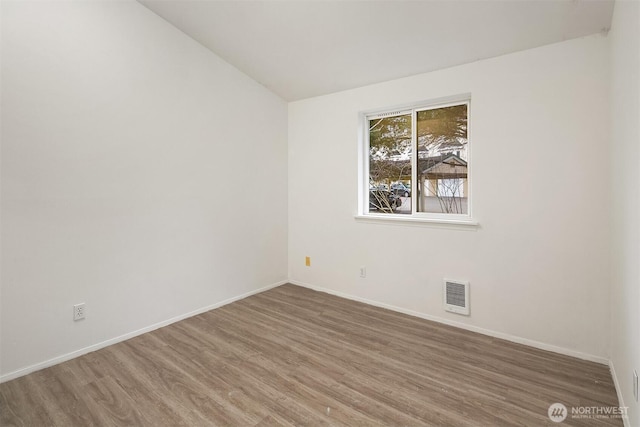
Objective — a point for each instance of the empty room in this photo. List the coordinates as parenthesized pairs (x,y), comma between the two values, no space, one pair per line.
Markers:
(310,212)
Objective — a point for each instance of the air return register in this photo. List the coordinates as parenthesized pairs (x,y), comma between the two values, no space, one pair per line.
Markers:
(456,296)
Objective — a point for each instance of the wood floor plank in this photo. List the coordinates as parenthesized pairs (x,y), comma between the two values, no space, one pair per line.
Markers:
(21,405)
(291,356)
(114,405)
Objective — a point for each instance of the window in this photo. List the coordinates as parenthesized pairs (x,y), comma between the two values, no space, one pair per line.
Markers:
(417,162)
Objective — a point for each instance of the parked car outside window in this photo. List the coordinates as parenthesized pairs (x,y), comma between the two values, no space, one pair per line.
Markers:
(400,189)
(383,200)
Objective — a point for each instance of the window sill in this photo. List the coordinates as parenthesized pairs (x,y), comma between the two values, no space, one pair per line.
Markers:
(413,221)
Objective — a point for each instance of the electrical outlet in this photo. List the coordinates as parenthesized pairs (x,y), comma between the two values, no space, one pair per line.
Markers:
(78,311)
(363,272)
(635,384)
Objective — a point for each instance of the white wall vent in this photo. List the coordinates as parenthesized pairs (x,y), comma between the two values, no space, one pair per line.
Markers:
(456,296)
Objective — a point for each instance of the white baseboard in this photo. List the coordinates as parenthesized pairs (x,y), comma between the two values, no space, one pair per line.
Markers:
(496,334)
(616,384)
(536,344)
(59,359)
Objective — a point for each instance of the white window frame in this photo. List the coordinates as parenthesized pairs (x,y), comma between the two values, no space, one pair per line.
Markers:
(363,165)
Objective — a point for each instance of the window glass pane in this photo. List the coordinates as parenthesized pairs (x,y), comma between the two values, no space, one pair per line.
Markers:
(442,151)
(390,164)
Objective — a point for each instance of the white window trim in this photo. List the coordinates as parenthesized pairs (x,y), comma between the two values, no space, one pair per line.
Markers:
(458,220)
(401,219)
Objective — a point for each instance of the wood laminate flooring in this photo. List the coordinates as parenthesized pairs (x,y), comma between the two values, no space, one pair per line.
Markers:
(293,356)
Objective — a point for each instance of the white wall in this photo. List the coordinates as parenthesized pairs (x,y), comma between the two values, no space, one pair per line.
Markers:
(130,156)
(539,262)
(625,137)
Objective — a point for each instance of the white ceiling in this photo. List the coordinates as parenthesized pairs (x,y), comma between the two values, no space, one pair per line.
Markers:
(304,48)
